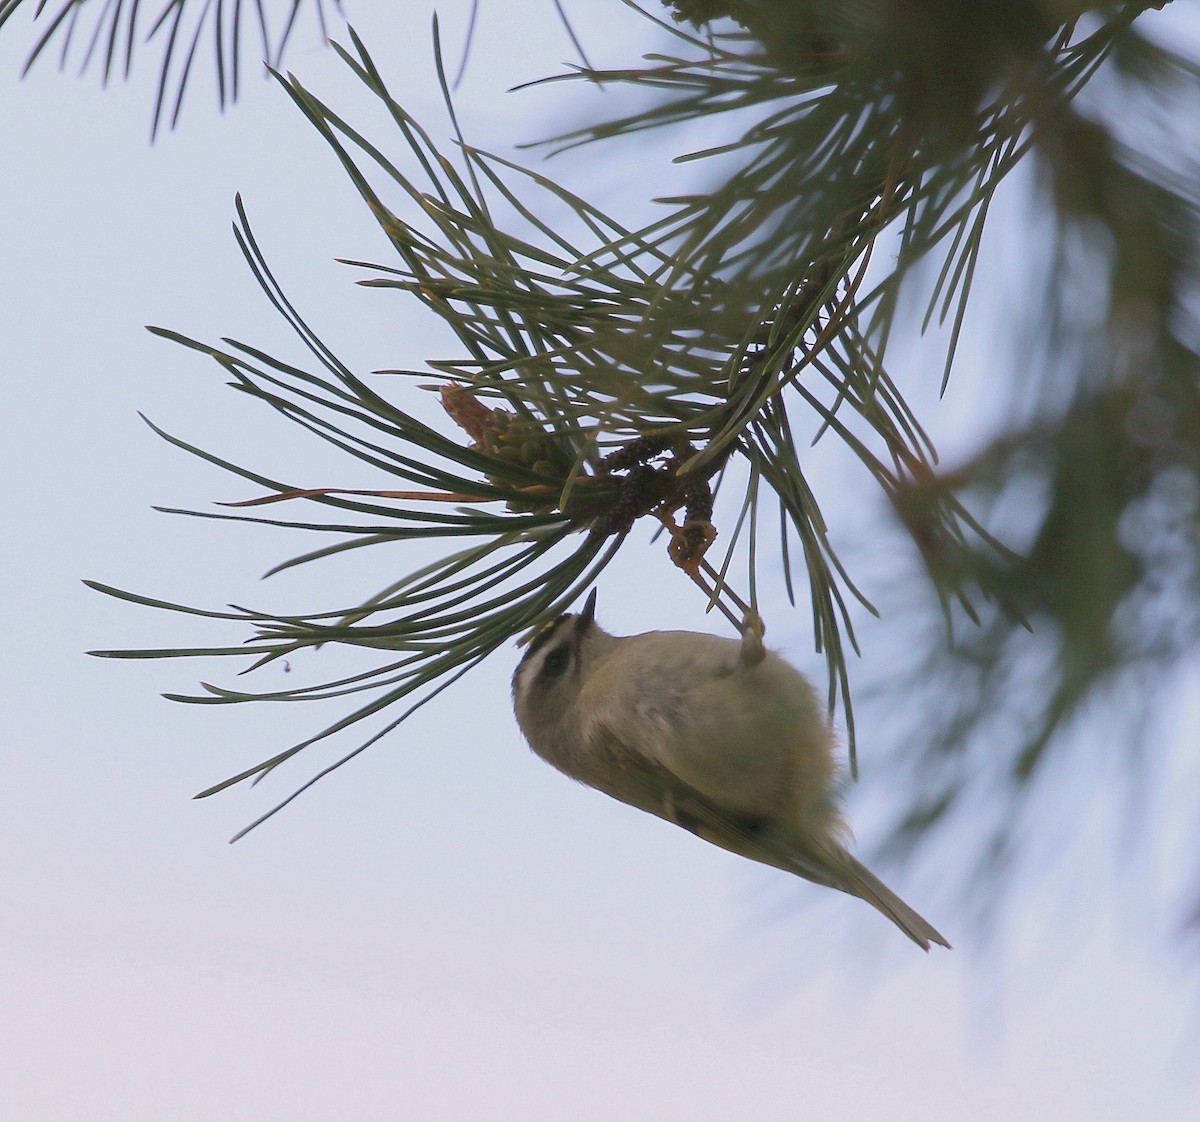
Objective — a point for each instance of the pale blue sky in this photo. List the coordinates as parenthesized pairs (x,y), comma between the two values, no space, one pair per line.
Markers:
(446,929)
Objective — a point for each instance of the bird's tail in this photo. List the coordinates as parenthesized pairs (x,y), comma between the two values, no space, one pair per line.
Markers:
(823,862)
(859,881)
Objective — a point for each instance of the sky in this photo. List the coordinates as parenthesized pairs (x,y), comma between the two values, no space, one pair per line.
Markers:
(446,929)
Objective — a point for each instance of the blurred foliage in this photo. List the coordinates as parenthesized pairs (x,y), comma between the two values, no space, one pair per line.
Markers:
(108,33)
(896,122)
(616,374)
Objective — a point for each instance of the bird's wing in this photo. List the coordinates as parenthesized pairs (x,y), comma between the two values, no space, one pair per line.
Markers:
(723,730)
(628,774)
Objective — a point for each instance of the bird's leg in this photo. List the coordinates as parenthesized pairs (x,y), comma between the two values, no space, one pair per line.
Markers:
(753,651)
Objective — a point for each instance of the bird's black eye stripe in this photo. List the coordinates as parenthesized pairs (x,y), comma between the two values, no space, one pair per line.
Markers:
(559,639)
(555,663)
(544,636)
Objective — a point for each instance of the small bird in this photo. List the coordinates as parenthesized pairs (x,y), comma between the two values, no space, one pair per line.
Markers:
(721,737)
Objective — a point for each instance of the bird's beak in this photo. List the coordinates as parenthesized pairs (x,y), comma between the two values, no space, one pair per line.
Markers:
(589,608)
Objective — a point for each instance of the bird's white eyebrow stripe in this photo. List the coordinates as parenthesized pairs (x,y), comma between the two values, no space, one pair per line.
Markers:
(544,636)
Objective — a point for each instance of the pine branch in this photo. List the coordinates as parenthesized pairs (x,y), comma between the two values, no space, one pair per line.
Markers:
(109,35)
(605,374)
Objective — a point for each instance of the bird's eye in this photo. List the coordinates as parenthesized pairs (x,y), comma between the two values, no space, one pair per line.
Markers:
(556,662)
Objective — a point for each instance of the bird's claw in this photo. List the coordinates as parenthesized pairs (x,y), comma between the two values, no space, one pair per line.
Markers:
(753,651)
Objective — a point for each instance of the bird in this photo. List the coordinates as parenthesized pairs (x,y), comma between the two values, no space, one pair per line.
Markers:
(721,737)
